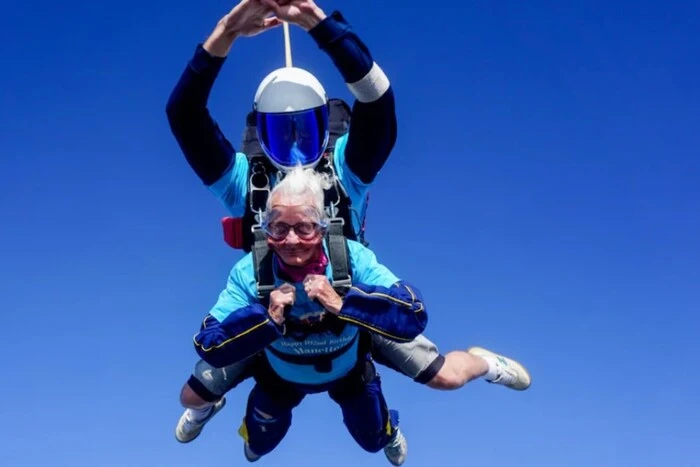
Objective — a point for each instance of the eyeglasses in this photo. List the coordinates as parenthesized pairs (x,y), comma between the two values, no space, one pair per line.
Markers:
(303,230)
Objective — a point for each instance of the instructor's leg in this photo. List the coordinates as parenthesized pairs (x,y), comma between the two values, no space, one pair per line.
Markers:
(421,360)
(203,395)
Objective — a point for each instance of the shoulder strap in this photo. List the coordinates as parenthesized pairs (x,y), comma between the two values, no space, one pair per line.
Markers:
(250,144)
(341,279)
(262,262)
(259,188)
(336,199)
(339,114)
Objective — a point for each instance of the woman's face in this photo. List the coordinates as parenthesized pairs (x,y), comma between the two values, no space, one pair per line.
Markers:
(293,231)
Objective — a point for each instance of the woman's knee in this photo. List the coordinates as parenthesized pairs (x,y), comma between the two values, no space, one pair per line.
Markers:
(267,419)
(191,400)
(373,433)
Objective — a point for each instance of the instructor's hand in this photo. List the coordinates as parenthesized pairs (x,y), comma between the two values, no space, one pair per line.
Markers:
(249,18)
(303,13)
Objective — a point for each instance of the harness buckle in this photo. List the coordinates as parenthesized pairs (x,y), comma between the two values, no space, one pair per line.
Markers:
(259,189)
(264,291)
(337,221)
(342,286)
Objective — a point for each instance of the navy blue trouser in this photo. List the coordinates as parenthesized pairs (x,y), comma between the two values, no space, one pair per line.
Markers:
(359,395)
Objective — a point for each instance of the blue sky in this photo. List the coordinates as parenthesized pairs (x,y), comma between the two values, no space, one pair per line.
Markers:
(544,194)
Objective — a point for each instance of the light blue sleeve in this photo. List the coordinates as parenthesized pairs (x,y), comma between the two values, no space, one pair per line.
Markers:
(356,189)
(366,269)
(232,187)
(239,292)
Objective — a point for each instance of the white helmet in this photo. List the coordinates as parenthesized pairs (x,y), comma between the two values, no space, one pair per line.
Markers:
(292,117)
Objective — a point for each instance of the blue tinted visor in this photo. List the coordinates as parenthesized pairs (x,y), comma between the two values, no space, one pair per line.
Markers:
(294,138)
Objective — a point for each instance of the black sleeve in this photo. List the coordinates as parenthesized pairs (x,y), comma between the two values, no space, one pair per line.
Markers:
(204,145)
(373,129)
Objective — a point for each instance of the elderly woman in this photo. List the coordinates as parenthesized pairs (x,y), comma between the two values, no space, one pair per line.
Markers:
(331,355)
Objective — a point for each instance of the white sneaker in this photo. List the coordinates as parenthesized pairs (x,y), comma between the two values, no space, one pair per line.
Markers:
(397,449)
(188,429)
(510,373)
(250,455)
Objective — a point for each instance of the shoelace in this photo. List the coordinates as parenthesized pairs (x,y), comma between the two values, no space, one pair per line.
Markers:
(506,374)
(198,421)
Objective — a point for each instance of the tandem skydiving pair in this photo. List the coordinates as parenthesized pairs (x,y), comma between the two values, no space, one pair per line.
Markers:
(309,308)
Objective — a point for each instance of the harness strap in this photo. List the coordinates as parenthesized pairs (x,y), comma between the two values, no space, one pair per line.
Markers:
(262,262)
(339,258)
(336,199)
(259,185)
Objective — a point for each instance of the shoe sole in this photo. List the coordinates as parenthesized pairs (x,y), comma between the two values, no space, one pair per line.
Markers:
(248,458)
(521,369)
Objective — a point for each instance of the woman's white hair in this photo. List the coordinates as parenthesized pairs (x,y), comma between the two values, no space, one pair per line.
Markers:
(301,183)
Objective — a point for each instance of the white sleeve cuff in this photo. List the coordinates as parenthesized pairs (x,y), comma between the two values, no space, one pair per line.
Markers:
(372,86)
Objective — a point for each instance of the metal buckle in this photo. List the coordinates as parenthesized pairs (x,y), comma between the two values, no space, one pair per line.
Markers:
(336,220)
(342,286)
(259,182)
(264,290)
(257,230)
(332,208)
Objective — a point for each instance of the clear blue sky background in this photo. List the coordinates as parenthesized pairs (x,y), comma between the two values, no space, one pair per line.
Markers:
(544,194)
